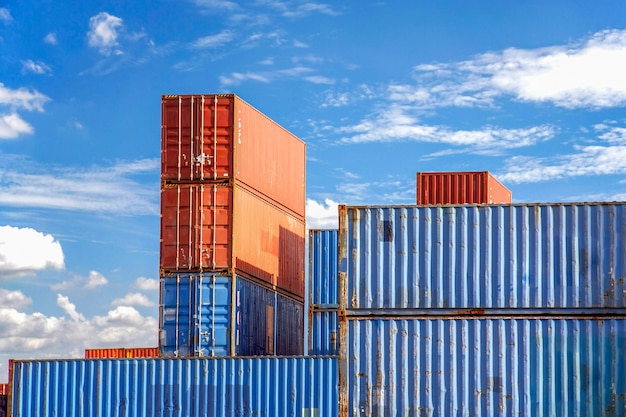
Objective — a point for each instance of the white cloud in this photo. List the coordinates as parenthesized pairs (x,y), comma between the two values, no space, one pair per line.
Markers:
(213,41)
(22,98)
(35,67)
(308,8)
(133,299)
(97,189)
(25,251)
(318,79)
(147,284)
(5,15)
(589,160)
(96,279)
(51,38)
(322,215)
(237,78)
(69,308)
(14,299)
(12,126)
(103,33)
(216,5)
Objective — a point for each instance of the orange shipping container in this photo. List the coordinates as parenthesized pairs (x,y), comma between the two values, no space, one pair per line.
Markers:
(118,353)
(218,227)
(435,188)
(221,137)
(4,389)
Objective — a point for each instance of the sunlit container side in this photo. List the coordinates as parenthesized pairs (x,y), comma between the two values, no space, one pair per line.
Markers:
(113,353)
(215,387)
(221,137)
(556,256)
(223,315)
(434,188)
(322,292)
(485,367)
(215,227)
(4,389)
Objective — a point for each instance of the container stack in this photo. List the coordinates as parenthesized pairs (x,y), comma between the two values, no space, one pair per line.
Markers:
(503,310)
(232,230)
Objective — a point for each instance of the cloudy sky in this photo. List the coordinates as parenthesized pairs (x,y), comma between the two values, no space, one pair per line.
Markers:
(532,91)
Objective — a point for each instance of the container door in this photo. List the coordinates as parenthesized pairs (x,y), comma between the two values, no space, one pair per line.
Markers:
(212,316)
(176,321)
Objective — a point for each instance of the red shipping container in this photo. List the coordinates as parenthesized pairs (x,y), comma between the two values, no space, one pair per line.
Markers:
(435,188)
(219,227)
(119,353)
(221,137)
(4,389)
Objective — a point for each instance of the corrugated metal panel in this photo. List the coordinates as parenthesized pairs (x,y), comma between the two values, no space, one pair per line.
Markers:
(569,256)
(201,316)
(113,353)
(4,389)
(323,332)
(294,386)
(486,367)
(434,188)
(221,137)
(208,227)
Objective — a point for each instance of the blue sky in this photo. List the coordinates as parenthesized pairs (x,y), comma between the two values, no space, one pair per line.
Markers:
(532,91)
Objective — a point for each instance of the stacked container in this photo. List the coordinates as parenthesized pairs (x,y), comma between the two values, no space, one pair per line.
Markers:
(499,310)
(478,187)
(232,230)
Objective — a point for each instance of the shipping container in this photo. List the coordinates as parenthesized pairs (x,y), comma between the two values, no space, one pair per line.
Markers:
(221,137)
(434,188)
(559,256)
(113,353)
(227,228)
(4,389)
(3,405)
(322,317)
(477,366)
(158,387)
(214,314)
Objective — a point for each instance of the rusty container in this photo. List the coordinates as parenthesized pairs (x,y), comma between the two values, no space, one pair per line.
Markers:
(220,137)
(220,227)
(435,188)
(118,353)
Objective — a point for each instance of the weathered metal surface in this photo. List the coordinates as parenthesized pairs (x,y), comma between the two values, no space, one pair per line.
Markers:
(114,353)
(485,367)
(221,137)
(434,188)
(226,315)
(224,387)
(323,330)
(221,227)
(482,257)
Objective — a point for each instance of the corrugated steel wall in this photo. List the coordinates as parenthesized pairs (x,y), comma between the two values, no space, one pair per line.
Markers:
(435,188)
(295,386)
(569,256)
(486,367)
(122,353)
(323,292)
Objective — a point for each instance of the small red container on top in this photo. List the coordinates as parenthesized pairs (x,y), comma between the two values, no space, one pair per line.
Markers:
(220,137)
(435,188)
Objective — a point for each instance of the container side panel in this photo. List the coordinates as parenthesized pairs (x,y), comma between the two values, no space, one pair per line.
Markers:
(269,243)
(323,333)
(487,367)
(454,188)
(216,387)
(269,159)
(255,309)
(538,256)
(197,138)
(323,267)
(195,315)
(121,353)
(196,227)
(289,326)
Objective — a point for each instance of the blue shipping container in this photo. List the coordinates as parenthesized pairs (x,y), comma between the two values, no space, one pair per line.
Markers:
(568,256)
(215,314)
(484,367)
(322,292)
(193,387)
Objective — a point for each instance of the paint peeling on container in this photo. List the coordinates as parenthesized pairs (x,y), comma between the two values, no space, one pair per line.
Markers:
(485,366)
(552,256)
(224,387)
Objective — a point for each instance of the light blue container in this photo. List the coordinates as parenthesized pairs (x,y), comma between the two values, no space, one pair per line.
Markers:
(484,367)
(194,387)
(531,256)
(322,292)
(215,314)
